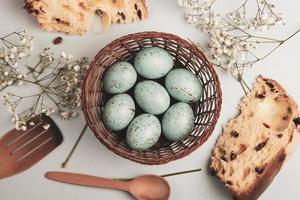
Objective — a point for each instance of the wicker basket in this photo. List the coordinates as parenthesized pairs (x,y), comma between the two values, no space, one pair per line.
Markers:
(186,55)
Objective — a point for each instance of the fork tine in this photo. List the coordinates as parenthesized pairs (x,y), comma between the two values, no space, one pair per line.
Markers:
(10,136)
(38,154)
(20,150)
(13,134)
(25,137)
(31,145)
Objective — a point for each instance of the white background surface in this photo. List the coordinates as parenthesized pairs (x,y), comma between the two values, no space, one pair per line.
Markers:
(93,158)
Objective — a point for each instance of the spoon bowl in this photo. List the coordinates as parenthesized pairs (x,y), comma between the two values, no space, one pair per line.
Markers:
(150,187)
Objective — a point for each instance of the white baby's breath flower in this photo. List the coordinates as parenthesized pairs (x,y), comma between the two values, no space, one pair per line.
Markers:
(24,128)
(77,68)
(31,123)
(63,55)
(75,80)
(15,65)
(6,73)
(50,111)
(11,109)
(78,104)
(46,126)
(70,57)
(13,120)
(4,84)
(5,96)
(65,115)
(24,40)
(74,114)
(14,49)
(22,54)
(68,89)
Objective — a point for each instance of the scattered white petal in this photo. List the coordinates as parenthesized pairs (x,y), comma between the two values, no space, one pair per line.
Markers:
(63,55)
(31,123)
(76,68)
(24,128)
(46,126)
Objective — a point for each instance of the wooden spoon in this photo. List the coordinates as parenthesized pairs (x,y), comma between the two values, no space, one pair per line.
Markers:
(148,187)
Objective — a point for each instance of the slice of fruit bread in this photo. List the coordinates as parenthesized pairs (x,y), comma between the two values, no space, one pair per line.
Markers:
(75,16)
(253,146)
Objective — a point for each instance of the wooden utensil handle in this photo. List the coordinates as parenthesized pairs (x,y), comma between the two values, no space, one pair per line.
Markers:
(86,180)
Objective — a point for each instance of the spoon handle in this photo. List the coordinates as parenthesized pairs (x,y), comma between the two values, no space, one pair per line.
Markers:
(86,180)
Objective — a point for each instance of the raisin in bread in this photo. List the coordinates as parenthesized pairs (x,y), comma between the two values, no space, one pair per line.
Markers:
(253,147)
(120,11)
(75,16)
(68,16)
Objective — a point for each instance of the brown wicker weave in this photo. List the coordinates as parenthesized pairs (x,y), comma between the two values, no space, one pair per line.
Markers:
(207,110)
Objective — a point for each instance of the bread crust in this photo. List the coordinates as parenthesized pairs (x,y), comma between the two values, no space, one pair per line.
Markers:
(262,181)
(265,180)
(75,16)
(271,171)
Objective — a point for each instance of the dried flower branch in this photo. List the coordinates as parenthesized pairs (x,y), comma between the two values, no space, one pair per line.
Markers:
(265,16)
(57,82)
(14,48)
(233,46)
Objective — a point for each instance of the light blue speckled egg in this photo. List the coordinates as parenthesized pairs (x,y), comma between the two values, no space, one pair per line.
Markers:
(152,97)
(143,132)
(183,85)
(153,62)
(178,121)
(118,112)
(119,78)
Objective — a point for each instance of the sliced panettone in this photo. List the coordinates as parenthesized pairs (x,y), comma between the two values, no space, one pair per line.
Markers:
(68,16)
(75,16)
(253,147)
(120,11)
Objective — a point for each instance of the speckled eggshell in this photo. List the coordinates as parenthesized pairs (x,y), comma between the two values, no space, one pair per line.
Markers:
(152,97)
(143,132)
(118,112)
(183,85)
(119,78)
(178,121)
(153,62)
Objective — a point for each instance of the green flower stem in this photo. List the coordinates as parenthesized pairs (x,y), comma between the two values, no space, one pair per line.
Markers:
(166,175)
(242,82)
(3,88)
(64,164)
(182,172)
(281,43)
(244,85)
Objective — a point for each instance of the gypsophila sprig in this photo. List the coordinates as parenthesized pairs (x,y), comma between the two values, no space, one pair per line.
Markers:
(14,48)
(57,82)
(233,36)
(265,16)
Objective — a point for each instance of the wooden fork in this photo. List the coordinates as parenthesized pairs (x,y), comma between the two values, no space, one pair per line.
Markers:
(20,150)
